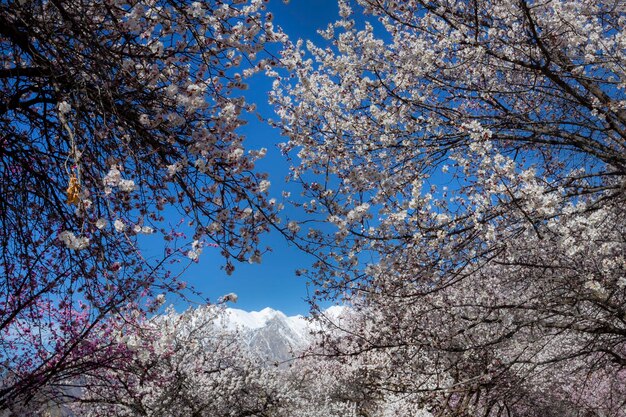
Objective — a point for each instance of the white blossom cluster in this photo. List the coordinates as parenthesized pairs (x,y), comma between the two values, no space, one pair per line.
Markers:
(72,241)
(113,178)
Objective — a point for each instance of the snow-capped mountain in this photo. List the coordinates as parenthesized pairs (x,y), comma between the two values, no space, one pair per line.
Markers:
(271,334)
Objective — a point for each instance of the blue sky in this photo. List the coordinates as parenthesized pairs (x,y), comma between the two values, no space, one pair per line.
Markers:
(273,282)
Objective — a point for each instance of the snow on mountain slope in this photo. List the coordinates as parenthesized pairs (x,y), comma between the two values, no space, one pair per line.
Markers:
(236,318)
(270,333)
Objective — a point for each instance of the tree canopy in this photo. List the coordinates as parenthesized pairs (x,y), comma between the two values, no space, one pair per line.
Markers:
(112,113)
(470,155)
(463,167)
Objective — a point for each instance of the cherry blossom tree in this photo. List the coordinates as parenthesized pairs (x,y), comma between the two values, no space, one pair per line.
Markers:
(113,113)
(191,364)
(183,365)
(319,386)
(539,330)
(469,158)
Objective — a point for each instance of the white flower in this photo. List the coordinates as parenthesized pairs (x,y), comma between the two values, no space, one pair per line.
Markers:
(119,225)
(246,212)
(171,90)
(255,258)
(200,164)
(131,342)
(72,241)
(113,177)
(195,88)
(358,212)
(264,186)
(66,237)
(195,9)
(442,218)
(293,227)
(236,153)
(127,185)
(196,250)
(157,47)
(596,287)
(64,107)
(101,223)
(174,169)
(159,299)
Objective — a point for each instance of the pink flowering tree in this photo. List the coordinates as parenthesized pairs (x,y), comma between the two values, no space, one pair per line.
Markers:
(111,113)
(465,161)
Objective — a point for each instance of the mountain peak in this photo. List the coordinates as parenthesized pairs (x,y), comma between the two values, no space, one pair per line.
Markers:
(273,335)
(240,319)
(269,333)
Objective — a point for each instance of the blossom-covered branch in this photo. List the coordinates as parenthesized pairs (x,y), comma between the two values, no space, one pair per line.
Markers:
(113,113)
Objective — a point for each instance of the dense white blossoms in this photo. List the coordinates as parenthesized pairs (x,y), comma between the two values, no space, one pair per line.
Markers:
(184,364)
(113,178)
(72,241)
(472,154)
(191,364)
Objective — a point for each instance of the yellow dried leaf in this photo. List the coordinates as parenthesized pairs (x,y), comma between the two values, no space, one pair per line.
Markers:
(73,190)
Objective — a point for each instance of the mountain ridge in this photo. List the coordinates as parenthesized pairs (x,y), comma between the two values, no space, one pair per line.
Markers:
(272,335)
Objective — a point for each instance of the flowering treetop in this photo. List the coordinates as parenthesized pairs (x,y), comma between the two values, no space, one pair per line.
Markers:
(470,156)
(111,113)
